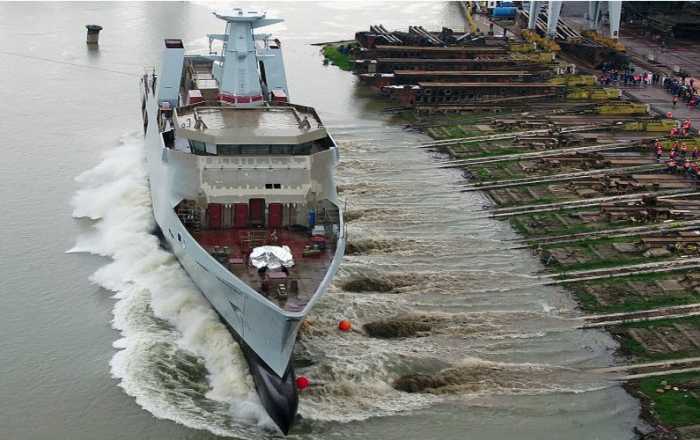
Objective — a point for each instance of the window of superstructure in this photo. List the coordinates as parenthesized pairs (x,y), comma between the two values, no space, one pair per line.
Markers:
(228,149)
(302,149)
(255,149)
(265,150)
(281,149)
(198,147)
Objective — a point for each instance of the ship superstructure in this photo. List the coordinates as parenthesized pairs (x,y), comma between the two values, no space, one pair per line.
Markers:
(243,190)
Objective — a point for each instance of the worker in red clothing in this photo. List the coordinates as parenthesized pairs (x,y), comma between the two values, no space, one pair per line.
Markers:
(659,152)
(674,132)
(685,127)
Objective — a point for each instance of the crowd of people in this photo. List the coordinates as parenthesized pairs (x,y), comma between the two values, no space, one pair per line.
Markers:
(627,77)
(681,159)
(681,88)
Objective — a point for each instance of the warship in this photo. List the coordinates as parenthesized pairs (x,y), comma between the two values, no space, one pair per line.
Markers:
(243,190)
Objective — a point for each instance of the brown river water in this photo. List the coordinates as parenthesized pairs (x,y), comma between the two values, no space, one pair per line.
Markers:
(112,341)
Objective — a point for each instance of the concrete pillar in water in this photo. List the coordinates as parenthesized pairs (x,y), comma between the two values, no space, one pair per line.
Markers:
(614,11)
(93,34)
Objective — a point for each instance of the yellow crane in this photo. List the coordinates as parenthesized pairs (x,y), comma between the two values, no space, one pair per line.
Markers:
(468,7)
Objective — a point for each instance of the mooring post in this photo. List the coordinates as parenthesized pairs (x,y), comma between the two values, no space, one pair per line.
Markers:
(93,34)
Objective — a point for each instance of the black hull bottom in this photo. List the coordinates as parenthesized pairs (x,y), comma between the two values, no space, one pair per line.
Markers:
(278,395)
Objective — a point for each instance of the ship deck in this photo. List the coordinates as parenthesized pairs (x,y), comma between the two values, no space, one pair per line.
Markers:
(290,291)
(262,121)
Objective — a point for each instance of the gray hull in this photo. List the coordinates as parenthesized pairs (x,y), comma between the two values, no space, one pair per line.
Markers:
(265,328)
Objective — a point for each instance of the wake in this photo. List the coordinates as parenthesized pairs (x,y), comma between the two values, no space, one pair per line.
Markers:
(174,357)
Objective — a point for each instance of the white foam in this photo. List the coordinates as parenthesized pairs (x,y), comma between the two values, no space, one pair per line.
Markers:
(149,283)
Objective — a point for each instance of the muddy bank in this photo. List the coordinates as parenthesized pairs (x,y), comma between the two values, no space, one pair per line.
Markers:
(375,246)
(400,327)
(368,284)
(370,214)
(390,282)
(475,376)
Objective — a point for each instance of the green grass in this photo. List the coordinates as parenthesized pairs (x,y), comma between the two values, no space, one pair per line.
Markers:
(466,119)
(674,408)
(603,264)
(462,153)
(483,173)
(443,132)
(337,58)
(538,201)
(575,229)
(589,303)
(629,346)
(693,320)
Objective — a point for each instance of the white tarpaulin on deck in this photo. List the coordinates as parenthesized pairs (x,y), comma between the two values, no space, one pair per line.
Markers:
(272,257)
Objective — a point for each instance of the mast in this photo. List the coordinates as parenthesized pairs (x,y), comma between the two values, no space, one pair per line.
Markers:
(237,68)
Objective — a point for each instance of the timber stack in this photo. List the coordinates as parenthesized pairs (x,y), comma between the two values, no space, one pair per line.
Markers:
(447,71)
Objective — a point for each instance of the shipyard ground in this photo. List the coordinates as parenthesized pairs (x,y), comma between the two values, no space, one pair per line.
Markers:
(580,180)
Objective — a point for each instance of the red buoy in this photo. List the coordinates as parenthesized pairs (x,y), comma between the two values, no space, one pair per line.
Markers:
(302,382)
(345,325)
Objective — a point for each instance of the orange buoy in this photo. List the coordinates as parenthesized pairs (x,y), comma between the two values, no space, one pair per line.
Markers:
(345,325)
(302,383)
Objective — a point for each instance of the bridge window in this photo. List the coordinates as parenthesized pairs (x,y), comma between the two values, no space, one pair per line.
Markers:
(259,150)
(228,150)
(198,147)
(281,149)
(300,150)
(263,150)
